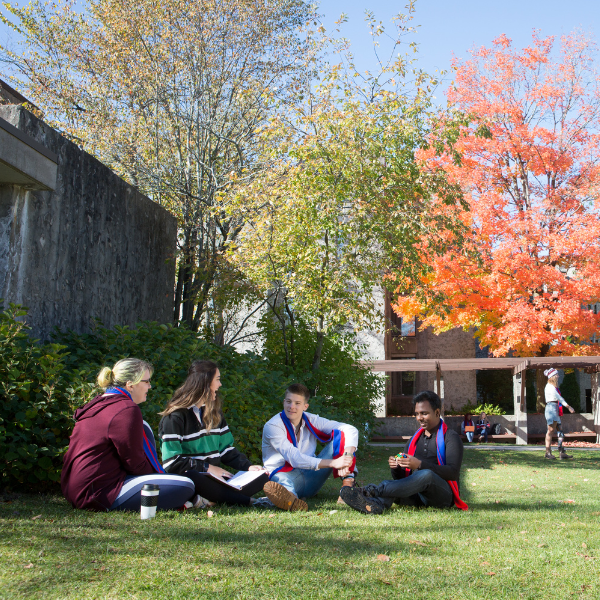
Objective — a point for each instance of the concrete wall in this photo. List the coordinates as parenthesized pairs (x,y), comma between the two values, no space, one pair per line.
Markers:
(93,247)
(536,423)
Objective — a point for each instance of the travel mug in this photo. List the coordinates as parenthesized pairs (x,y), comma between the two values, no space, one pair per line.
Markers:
(149,501)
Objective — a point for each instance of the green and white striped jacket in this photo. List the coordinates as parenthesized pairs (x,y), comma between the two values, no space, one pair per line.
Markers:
(187,445)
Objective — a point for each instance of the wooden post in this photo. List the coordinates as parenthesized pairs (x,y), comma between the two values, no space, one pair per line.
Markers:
(596,403)
(520,405)
(438,385)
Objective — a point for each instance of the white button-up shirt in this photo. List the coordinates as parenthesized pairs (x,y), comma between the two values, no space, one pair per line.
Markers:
(277,449)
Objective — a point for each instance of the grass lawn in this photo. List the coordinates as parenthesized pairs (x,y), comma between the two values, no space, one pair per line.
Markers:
(532,532)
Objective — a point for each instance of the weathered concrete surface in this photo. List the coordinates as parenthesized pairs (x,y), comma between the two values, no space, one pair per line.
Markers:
(25,162)
(92,248)
(536,423)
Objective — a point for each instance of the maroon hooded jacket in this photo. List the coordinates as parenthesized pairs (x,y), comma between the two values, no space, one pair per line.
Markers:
(106,446)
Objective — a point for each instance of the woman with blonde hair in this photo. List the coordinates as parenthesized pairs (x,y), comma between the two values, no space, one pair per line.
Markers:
(111,453)
(553,399)
(196,439)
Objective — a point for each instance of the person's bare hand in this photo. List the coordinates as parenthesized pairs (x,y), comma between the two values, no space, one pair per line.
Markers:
(571,409)
(217,471)
(341,462)
(256,468)
(410,462)
(392,461)
(344,472)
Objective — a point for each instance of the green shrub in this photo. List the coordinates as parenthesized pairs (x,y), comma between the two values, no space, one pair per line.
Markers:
(344,390)
(252,390)
(36,404)
(476,410)
(41,386)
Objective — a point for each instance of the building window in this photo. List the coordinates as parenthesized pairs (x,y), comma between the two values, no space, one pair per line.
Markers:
(403,383)
(403,327)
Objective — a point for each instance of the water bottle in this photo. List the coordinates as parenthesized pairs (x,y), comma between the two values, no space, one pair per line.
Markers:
(149,501)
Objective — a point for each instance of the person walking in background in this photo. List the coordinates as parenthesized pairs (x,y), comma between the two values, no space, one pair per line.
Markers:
(467,428)
(111,453)
(553,400)
(483,427)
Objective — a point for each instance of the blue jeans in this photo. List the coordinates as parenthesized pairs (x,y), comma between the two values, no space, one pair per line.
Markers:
(470,436)
(422,488)
(305,483)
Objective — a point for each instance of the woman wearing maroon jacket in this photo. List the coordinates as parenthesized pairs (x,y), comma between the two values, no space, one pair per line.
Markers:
(112,454)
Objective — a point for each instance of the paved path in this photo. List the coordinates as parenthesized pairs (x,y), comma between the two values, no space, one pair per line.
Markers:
(489,447)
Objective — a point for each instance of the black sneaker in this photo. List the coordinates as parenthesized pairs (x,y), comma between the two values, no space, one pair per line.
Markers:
(355,498)
(263,502)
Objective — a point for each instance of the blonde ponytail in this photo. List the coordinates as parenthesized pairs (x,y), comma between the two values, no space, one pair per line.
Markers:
(105,377)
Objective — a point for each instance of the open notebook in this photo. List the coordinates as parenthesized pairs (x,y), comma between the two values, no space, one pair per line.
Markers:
(240,479)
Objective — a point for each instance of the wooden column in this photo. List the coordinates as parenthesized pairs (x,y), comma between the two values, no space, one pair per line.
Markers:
(438,385)
(520,404)
(596,403)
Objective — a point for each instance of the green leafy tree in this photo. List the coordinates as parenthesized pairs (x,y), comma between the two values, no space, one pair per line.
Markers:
(344,203)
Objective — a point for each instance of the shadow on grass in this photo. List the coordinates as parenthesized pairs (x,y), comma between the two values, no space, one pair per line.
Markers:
(485,459)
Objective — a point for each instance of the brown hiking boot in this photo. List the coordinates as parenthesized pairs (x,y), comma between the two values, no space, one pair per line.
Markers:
(565,456)
(283,498)
(550,456)
(346,482)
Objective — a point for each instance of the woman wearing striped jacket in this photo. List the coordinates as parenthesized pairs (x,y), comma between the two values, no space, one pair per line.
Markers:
(196,439)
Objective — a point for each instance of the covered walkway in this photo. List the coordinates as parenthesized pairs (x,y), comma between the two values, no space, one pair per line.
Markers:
(518,366)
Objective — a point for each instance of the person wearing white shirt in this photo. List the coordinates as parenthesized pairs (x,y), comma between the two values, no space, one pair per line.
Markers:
(289,445)
(553,399)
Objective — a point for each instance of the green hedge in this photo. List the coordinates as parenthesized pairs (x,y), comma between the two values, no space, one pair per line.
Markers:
(251,391)
(41,385)
(36,401)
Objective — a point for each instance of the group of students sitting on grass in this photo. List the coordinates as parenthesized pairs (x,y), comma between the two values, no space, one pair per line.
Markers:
(112,452)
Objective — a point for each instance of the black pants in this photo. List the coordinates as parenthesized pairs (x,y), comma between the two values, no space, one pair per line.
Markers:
(422,488)
(215,491)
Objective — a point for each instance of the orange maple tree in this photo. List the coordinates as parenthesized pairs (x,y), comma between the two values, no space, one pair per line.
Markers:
(527,161)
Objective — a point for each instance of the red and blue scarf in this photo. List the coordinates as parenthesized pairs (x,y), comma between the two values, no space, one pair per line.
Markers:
(441,457)
(149,448)
(337,436)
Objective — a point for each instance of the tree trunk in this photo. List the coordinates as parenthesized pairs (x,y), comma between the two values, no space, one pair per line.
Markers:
(319,347)
(540,381)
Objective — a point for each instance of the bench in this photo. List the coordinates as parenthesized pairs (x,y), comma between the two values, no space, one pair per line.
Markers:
(507,438)
(581,436)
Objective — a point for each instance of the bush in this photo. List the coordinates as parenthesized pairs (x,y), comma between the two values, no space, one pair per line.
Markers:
(41,386)
(252,391)
(476,410)
(36,404)
(343,389)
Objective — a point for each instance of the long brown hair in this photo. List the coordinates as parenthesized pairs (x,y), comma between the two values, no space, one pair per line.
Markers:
(194,390)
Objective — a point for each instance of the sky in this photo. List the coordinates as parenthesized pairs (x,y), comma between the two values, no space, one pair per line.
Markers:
(452,27)
(448,27)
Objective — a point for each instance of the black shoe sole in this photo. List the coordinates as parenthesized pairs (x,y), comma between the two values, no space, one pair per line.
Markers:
(356,500)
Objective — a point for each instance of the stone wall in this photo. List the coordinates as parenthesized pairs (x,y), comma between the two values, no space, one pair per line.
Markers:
(94,247)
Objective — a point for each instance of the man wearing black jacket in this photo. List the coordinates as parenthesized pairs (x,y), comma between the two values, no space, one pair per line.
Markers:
(420,479)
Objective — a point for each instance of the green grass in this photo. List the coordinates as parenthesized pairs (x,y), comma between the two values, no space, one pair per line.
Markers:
(519,540)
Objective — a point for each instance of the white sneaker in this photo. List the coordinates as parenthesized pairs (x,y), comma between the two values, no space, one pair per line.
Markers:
(196,502)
